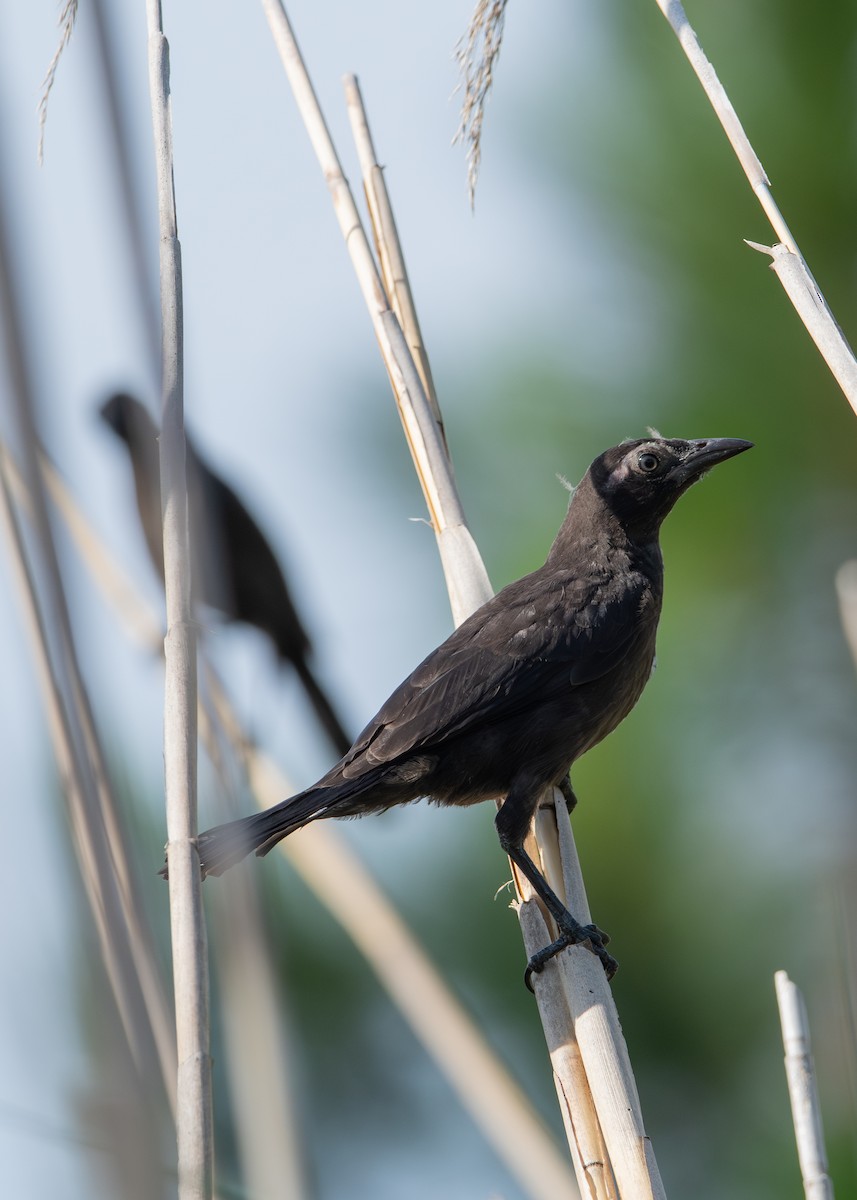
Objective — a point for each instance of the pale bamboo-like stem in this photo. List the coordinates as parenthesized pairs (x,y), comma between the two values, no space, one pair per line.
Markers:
(789,264)
(257,1050)
(811,306)
(466,578)
(194,1133)
(602,1042)
(803,1093)
(846,591)
(577,1107)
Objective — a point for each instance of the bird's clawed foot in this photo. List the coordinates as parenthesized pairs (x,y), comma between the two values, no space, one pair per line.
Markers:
(590,936)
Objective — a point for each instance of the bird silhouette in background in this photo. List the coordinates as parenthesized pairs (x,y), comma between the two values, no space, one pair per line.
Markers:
(526,685)
(235,570)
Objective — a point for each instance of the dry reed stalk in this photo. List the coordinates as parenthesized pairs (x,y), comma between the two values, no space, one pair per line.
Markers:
(114,864)
(87,831)
(194,1132)
(136,614)
(803,1093)
(466,578)
(391,257)
(788,262)
(576,1101)
(454,540)
(264,1114)
(574,1095)
(811,306)
(94,817)
(257,1049)
(257,1057)
(605,1054)
(596,1020)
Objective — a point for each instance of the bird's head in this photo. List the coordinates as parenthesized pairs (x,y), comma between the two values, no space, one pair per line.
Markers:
(640,481)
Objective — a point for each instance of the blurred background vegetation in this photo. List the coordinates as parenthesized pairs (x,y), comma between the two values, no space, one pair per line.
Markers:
(717,826)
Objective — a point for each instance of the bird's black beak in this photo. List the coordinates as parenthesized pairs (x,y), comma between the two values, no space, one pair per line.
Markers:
(708,452)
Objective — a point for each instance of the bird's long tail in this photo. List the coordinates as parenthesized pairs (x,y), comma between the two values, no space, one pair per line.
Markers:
(225,845)
(324,710)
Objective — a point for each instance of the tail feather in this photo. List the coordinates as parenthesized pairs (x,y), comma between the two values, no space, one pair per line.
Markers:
(225,845)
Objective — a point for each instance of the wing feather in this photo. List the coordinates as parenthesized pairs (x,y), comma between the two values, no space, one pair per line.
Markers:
(502,658)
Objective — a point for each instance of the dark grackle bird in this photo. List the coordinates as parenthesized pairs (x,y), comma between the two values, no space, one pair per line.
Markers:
(532,680)
(235,570)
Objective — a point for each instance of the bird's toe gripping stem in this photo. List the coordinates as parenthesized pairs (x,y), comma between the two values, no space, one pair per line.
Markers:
(590,936)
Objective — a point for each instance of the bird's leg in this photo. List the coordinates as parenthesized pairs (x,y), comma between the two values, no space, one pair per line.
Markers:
(568,793)
(572,933)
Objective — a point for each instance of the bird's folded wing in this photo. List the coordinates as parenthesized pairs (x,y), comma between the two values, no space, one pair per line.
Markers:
(533,640)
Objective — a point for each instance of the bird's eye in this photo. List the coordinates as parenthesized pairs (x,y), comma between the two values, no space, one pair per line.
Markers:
(648,462)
